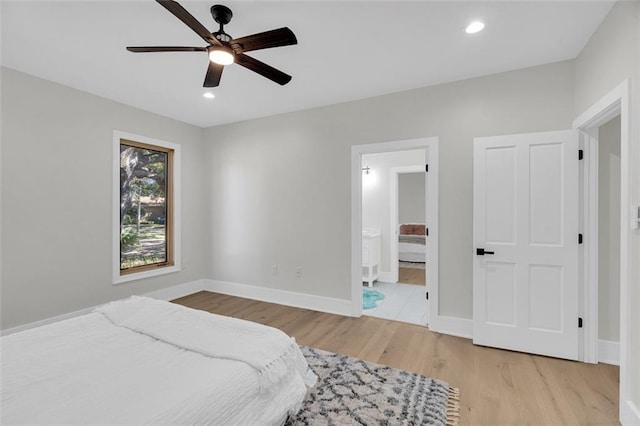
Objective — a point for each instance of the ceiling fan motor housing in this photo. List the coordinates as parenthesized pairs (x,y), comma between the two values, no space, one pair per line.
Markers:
(221,14)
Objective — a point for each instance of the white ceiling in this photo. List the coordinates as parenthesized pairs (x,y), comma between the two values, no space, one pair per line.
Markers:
(346,51)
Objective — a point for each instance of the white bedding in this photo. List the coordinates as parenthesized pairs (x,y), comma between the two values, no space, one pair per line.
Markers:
(410,252)
(89,370)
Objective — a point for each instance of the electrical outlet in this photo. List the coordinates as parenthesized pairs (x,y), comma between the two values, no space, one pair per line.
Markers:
(299,272)
(274,269)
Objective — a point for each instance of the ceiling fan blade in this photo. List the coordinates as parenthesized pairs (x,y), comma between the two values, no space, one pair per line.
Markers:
(214,73)
(274,38)
(142,49)
(182,14)
(263,69)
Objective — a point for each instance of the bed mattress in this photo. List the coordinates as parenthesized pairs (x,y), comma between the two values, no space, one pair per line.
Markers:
(89,370)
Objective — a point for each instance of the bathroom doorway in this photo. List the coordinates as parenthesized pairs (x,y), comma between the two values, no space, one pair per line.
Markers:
(379,211)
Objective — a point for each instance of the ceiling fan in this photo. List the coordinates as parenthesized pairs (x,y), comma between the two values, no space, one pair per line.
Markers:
(224,50)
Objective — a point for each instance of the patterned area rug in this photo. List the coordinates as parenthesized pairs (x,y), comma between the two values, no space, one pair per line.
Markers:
(351,391)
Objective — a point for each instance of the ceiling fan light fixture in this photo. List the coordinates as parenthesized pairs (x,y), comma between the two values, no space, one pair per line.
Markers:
(221,55)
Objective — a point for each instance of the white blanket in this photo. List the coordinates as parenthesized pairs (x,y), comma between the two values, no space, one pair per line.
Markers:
(268,350)
(86,370)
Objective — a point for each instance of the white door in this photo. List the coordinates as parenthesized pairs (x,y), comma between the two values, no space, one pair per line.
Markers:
(525,203)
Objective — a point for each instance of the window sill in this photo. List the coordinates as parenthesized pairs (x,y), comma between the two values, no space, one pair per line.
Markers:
(119,279)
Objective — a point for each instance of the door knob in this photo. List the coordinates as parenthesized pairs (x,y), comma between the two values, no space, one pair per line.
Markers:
(482,252)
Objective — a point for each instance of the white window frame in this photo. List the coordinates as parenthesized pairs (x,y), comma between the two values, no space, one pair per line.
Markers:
(119,278)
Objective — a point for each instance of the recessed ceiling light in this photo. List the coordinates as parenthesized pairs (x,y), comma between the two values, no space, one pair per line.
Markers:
(208,95)
(474,27)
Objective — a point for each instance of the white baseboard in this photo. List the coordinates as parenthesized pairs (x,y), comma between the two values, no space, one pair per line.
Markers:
(447,325)
(300,300)
(169,293)
(177,291)
(629,413)
(281,297)
(454,326)
(609,352)
(46,321)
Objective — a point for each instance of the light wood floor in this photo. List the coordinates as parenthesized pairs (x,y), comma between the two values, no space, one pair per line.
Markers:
(411,276)
(496,387)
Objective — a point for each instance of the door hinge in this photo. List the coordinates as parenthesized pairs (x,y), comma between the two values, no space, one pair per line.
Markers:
(579,322)
(427,295)
(579,238)
(426,167)
(580,154)
(426,232)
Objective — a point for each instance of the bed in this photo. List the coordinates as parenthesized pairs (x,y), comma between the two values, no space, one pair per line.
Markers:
(145,361)
(412,242)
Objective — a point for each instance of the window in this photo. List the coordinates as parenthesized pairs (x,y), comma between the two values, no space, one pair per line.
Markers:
(145,182)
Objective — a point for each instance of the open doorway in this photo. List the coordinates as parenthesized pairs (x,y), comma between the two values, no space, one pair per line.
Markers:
(377,182)
(410,223)
(600,193)
(590,124)
(384,201)
(608,177)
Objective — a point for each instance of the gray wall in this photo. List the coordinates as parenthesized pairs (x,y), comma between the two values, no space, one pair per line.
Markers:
(411,198)
(609,231)
(56,198)
(612,55)
(280,186)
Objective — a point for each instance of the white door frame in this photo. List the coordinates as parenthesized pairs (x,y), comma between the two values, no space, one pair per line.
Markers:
(616,102)
(430,145)
(394,213)
(588,254)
